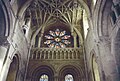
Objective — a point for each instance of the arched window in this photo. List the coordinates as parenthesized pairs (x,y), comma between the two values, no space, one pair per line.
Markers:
(69,77)
(44,77)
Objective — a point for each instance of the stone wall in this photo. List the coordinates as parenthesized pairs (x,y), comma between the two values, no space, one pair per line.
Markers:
(14,44)
(101,42)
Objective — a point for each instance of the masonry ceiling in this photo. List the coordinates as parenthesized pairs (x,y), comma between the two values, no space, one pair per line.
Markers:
(47,12)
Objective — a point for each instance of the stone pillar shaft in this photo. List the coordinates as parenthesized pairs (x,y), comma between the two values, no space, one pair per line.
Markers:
(108,60)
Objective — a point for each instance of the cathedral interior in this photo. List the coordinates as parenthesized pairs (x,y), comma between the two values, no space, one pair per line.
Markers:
(59,40)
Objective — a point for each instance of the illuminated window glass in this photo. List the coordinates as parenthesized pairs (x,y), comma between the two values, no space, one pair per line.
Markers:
(57,39)
(68,77)
(44,78)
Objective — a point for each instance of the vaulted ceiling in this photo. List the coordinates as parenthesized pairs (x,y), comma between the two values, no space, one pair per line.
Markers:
(47,12)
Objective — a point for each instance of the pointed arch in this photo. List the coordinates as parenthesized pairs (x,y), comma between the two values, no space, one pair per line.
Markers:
(102,12)
(13,69)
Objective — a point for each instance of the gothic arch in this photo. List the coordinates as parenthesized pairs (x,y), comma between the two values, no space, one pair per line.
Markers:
(103,17)
(23,8)
(100,17)
(41,70)
(13,69)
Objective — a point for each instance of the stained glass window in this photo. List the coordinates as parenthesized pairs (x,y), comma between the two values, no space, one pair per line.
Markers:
(68,77)
(57,39)
(44,78)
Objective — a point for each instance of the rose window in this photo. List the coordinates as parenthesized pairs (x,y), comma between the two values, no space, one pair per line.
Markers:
(57,39)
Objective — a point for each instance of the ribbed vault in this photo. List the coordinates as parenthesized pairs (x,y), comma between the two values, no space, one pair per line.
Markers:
(46,13)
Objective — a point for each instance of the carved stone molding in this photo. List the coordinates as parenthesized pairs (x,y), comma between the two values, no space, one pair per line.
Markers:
(48,53)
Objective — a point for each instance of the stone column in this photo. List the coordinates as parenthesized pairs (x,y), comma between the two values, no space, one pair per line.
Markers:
(4,61)
(3,50)
(73,55)
(116,49)
(48,54)
(41,54)
(75,39)
(69,55)
(56,78)
(108,60)
(40,38)
(52,54)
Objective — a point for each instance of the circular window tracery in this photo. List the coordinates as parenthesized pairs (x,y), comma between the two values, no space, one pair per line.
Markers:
(57,39)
